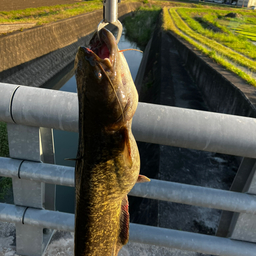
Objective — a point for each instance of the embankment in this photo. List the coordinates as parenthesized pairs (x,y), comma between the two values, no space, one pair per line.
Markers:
(170,73)
(223,91)
(35,55)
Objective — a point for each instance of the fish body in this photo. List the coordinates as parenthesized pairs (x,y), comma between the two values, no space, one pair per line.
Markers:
(108,162)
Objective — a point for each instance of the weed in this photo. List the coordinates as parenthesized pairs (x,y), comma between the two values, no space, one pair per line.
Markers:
(140,26)
(4,149)
(5,183)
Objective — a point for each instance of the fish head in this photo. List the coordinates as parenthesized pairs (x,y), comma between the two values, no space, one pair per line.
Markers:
(104,82)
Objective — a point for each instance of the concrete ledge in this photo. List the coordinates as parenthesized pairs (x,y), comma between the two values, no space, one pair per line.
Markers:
(35,55)
(222,90)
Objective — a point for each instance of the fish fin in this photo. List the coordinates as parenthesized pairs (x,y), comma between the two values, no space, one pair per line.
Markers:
(72,159)
(127,147)
(124,226)
(142,179)
(124,221)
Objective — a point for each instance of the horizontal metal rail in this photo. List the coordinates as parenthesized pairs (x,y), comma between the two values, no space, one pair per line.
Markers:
(156,189)
(138,233)
(165,125)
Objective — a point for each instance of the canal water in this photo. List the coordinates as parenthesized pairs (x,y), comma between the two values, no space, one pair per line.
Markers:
(66,143)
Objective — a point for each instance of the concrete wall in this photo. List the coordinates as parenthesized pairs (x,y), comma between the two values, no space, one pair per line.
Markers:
(223,91)
(33,56)
(246,3)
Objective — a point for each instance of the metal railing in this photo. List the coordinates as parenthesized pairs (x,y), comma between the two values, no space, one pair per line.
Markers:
(26,109)
(155,189)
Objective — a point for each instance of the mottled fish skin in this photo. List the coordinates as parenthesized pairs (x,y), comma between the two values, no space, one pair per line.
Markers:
(108,162)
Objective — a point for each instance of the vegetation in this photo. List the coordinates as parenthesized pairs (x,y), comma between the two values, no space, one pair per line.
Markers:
(5,183)
(140,26)
(171,21)
(225,36)
(5,186)
(4,149)
(47,14)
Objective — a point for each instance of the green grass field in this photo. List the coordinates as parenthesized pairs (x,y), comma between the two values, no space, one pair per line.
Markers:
(48,14)
(228,41)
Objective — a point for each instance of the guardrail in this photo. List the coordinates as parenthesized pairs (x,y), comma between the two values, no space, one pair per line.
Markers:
(155,189)
(25,109)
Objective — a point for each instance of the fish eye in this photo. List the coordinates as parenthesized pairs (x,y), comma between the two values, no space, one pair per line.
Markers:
(98,75)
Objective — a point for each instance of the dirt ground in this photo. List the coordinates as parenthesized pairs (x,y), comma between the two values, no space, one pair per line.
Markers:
(8,5)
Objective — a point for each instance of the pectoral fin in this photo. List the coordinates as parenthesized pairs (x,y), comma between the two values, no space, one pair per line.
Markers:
(127,147)
(73,159)
(142,179)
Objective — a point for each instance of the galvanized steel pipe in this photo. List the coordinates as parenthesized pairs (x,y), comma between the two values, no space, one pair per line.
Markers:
(190,241)
(138,233)
(48,173)
(11,213)
(195,195)
(156,189)
(165,125)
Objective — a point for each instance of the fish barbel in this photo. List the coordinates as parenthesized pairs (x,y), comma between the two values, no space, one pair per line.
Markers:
(108,162)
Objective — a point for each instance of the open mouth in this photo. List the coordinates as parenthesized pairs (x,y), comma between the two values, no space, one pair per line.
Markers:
(101,49)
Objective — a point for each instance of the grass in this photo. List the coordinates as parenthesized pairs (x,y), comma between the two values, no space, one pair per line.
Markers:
(171,21)
(213,44)
(226,37)
(5,183)
(140,26)
(47,14)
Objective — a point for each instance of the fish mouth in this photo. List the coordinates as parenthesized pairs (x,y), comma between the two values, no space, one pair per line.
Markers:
(102,49)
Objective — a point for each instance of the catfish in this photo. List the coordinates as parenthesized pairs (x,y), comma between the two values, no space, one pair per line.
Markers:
(108,161)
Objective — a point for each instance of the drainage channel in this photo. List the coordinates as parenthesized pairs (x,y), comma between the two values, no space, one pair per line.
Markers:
(168,82)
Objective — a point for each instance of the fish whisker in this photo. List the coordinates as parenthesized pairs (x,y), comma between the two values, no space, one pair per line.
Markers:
(102,69)
(130,49)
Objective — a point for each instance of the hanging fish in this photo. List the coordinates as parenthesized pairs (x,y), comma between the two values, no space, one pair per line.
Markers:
(108,161)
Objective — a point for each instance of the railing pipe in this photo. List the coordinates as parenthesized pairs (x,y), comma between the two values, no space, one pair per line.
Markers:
(182,240)
(202,130)
(195,195)
(165,125)
(156,189)
(11,213)
(138,233)
(48,173)
(49,219)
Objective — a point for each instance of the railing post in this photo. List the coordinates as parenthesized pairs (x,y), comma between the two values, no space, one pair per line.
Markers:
(243,225)
(34,144)
(243,174)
